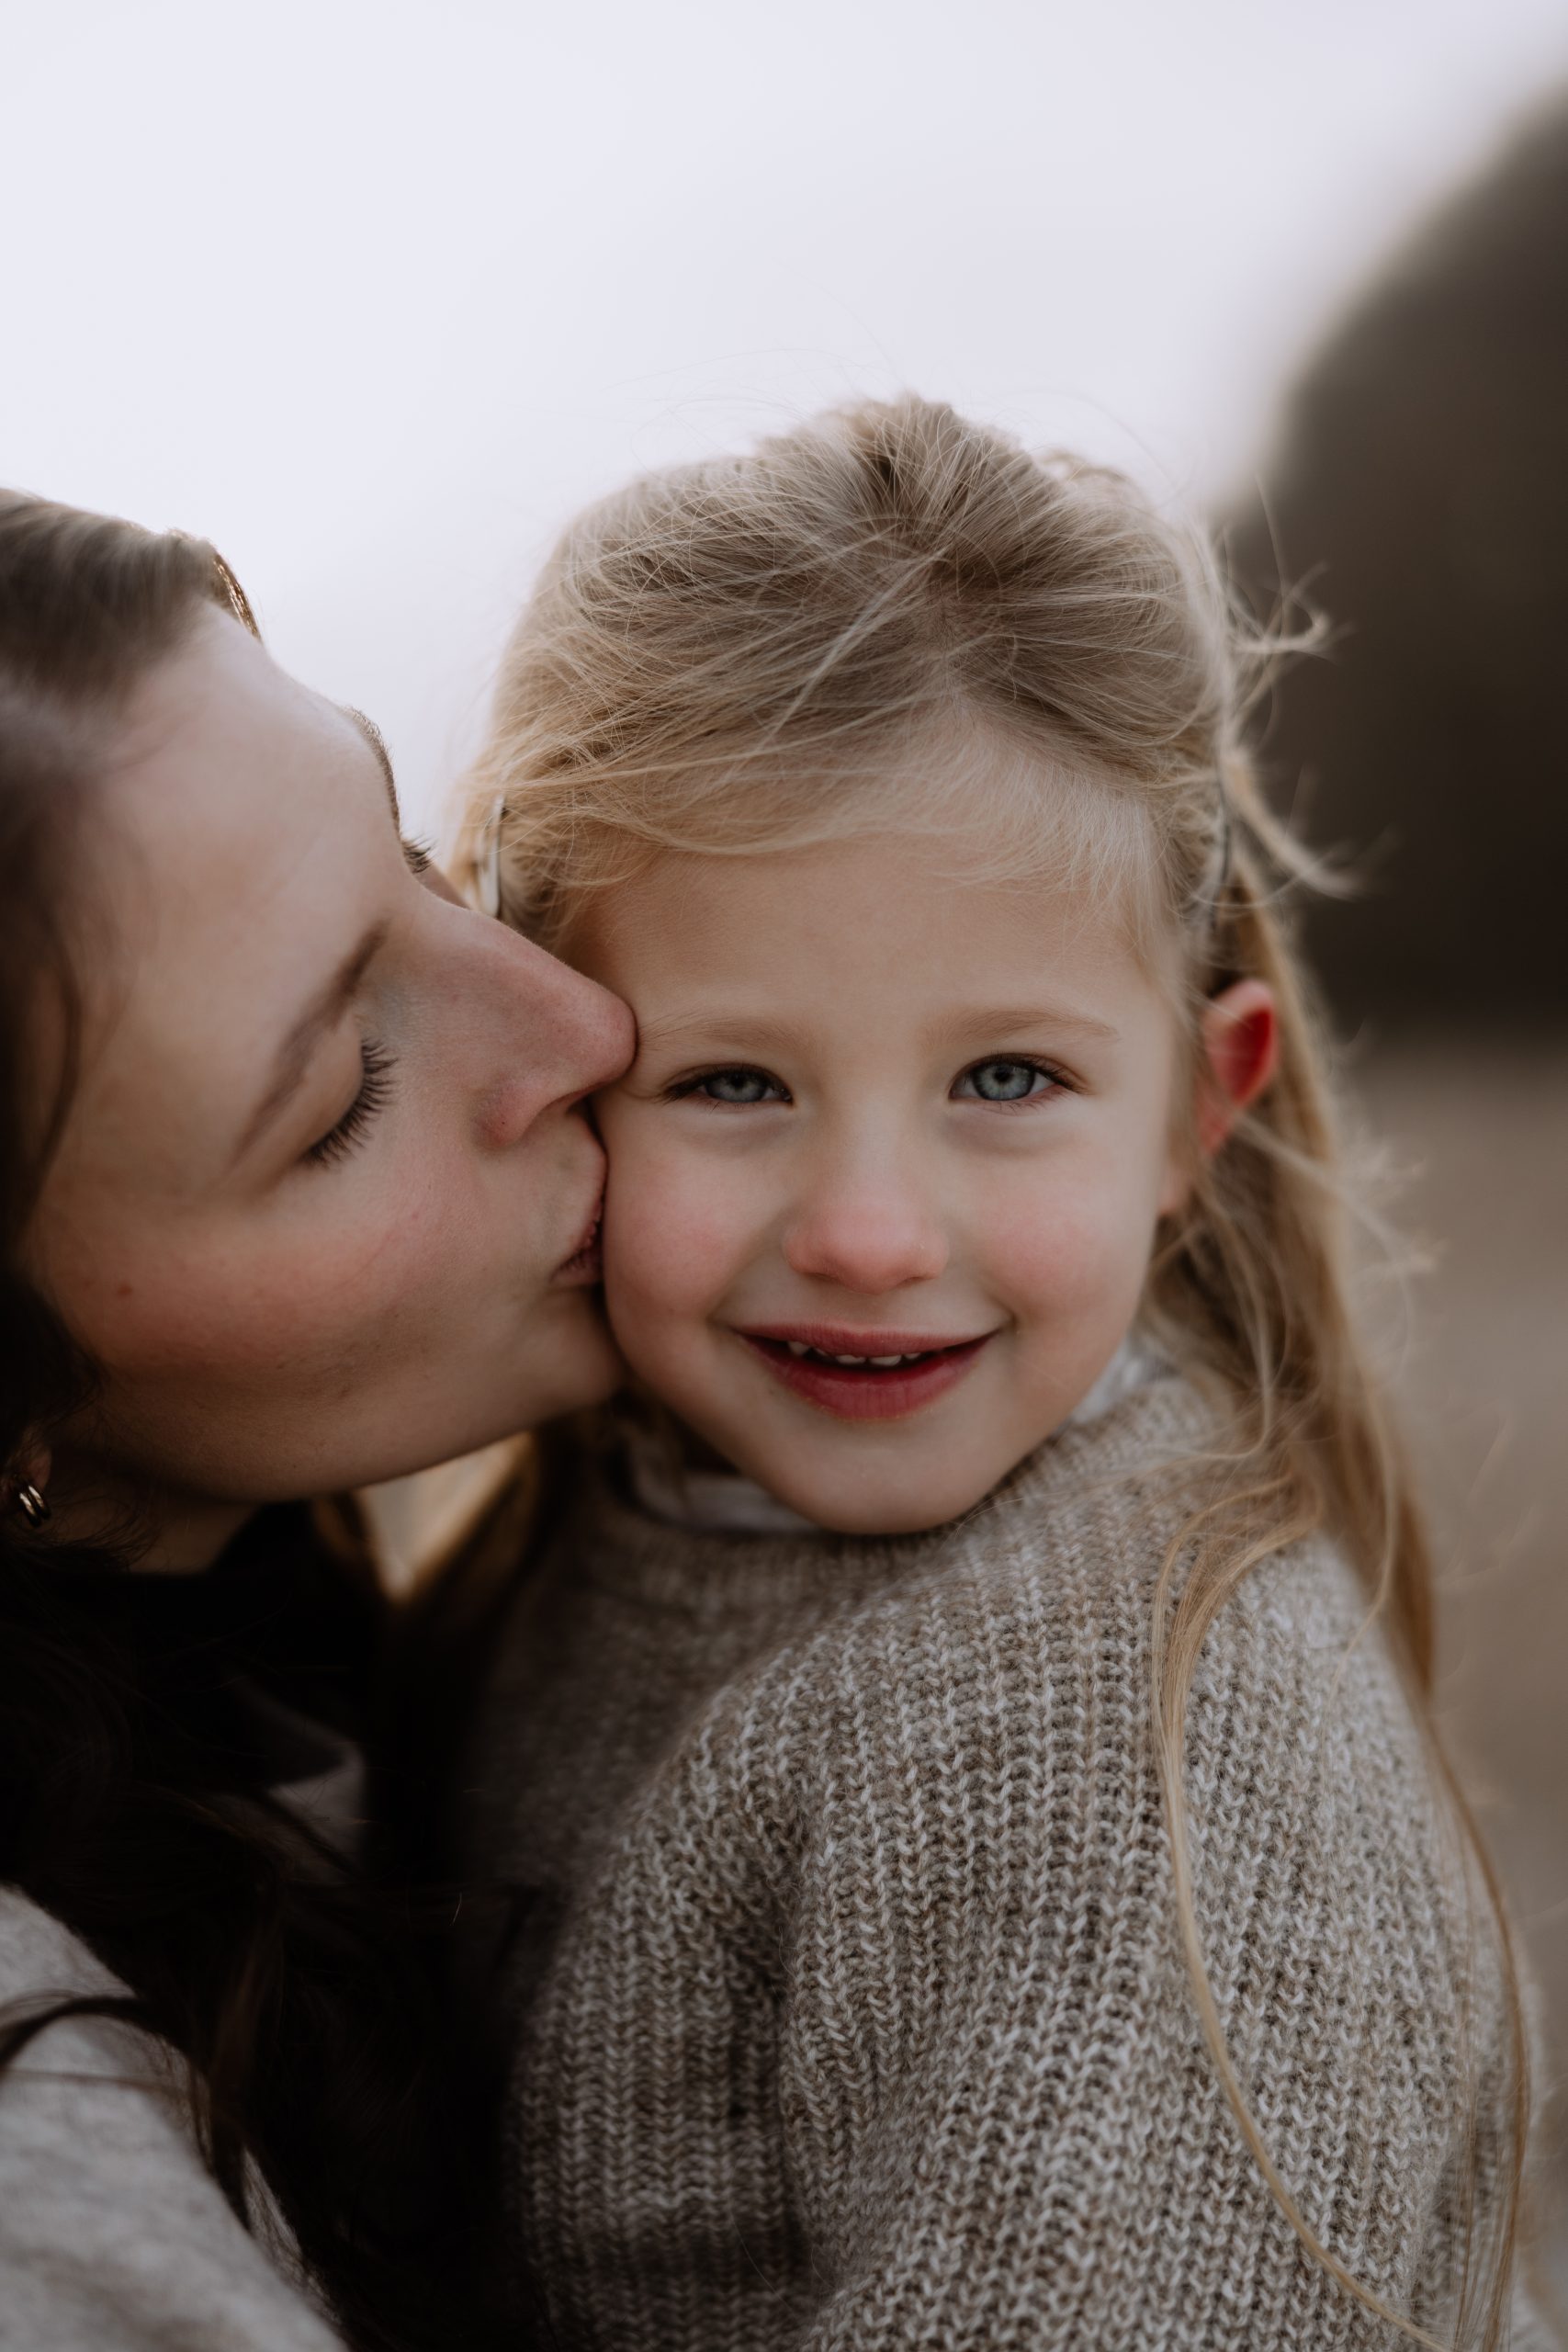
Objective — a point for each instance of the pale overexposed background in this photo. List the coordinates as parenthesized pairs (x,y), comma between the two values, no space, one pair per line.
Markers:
(374,292)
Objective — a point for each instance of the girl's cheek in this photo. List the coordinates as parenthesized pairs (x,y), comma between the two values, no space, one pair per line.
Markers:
(671,1266)
(1061,1254)
(675,1230)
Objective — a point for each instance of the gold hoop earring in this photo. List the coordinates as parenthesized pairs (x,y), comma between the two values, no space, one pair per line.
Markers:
(31,1504)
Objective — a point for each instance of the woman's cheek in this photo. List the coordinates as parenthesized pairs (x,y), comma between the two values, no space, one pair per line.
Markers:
(239,1304)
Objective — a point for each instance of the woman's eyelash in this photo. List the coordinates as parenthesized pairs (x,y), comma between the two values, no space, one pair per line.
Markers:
(375,1091)
(419,856)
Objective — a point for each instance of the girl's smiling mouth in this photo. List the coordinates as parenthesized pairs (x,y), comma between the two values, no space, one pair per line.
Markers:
(862,1375)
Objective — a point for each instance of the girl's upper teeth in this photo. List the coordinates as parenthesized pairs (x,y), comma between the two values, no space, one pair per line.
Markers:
(883,1364)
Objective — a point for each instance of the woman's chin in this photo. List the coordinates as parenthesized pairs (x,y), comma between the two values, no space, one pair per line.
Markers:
(584,1366)
(570,1365)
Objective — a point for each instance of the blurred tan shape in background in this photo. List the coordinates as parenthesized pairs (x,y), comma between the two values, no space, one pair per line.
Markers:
(1420,493)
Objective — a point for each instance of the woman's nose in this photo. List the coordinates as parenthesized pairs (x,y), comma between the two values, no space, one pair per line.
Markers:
(557,1036)
(867,1234)
(598,1028)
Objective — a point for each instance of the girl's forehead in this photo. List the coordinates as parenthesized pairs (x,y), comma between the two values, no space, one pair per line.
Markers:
(957,827)
(878,921)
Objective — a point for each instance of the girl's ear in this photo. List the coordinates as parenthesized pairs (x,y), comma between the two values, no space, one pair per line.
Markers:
(1240,1054)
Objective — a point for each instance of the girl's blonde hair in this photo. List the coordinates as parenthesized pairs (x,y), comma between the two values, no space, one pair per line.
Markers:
(817,640)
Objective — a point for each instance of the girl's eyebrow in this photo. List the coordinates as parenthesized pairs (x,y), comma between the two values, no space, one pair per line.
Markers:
(996,1019)
(764,1033)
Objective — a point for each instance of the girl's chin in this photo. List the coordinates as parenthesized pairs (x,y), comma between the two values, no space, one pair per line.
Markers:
(898,1516)
(882,1502)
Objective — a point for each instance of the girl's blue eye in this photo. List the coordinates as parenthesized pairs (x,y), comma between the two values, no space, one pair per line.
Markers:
(737,1086)
(1004,1081)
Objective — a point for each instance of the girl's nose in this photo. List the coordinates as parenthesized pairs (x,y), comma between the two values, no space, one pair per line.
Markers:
(871,1236)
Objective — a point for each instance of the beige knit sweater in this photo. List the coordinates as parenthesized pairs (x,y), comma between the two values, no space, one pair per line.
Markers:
(848,2009)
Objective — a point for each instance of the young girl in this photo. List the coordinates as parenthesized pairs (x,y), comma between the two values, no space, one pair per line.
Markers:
(992,1882)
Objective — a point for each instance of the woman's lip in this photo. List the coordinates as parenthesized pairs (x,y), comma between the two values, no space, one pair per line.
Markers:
(850,1394)
(585,1264)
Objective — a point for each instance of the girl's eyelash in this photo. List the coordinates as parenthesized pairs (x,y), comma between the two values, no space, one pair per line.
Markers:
(375,1091)
(1057,1076)
(682,1088)
(420,856)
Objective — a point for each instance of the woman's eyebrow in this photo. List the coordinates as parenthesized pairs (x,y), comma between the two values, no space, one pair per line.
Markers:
(325,1008)
(377,743)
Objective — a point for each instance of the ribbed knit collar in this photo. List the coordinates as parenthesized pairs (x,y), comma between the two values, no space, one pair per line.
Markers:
(620,1546)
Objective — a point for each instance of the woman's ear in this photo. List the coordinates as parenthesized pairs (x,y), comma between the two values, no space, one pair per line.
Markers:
(30,1467)
(1240,1051)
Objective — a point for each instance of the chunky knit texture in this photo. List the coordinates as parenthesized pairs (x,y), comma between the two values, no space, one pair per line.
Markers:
(848,2004)
(114,2236)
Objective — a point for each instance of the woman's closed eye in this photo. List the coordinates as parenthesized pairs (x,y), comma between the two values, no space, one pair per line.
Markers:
(1009,1077)
(735,1088)
(376,1067)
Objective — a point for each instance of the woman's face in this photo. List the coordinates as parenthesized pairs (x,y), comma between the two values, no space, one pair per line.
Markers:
(321,1208)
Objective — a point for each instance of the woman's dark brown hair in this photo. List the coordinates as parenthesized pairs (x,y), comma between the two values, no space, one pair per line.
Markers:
(130,1806)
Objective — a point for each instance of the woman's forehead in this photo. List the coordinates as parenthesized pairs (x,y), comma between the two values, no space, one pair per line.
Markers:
(219,743)
(232,838)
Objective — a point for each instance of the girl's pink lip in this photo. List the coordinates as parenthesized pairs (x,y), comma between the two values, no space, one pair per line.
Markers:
(850,1394)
